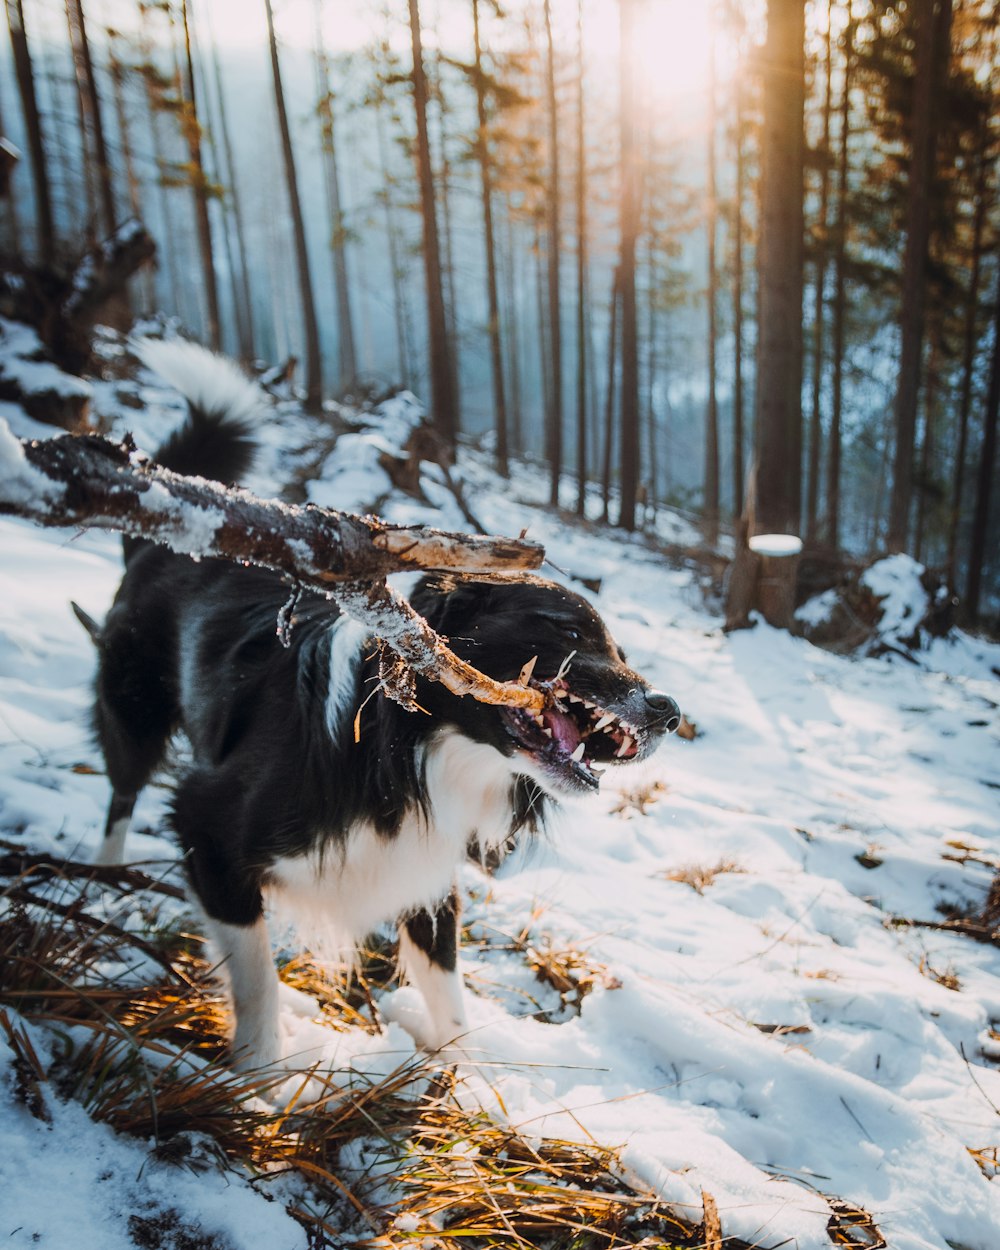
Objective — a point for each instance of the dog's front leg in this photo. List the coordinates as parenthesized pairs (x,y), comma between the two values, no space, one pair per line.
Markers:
(428,952)
(244,954)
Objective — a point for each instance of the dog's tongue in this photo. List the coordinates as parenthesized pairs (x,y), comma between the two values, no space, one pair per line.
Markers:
(565,733)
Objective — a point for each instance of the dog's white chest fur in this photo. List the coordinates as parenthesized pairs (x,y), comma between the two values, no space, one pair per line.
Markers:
(361,882)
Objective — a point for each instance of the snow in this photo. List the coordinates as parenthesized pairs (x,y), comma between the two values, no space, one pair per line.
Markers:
(775,544)
(895,581)
(788,1029)
(22,363)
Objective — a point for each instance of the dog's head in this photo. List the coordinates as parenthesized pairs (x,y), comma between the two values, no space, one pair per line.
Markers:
(603,712)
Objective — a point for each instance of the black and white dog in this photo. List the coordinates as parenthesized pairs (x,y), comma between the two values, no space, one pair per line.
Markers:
(279,799)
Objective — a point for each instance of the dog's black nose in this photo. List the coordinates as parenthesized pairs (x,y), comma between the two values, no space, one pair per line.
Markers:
(664,707)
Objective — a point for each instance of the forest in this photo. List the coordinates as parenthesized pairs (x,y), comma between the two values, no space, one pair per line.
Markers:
(735,259)
(692,306)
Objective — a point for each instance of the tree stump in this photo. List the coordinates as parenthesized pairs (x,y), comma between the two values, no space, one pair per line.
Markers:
(763,579)
(778,556)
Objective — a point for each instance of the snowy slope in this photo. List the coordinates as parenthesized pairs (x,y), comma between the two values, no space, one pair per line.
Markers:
(765,1025)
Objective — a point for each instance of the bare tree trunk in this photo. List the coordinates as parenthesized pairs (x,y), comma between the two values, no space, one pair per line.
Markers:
(985,478)
(493,299)
(554,439)
(933,52)
(609,397)
(400,307)
(242,297)
(629,426)
(927,444)
(780,262)
(513,337)
(581,274)
(84,65)
(819,306)
(969,346)
(338,244)
(33,125)
(711,474)
(199,185)
(443,397)
(314,361)
(738,400)
(444,188)
(840,293)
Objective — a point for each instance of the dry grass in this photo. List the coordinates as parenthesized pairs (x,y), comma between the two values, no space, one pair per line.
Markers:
(568,969)
(639,799)
(948,977)
(700,876)
(987,1159)
(142,1032)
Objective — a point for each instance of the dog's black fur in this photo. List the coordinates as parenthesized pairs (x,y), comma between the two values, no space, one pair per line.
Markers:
(280,792)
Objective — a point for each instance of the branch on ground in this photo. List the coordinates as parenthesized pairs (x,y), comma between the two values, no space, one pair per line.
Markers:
(93,482)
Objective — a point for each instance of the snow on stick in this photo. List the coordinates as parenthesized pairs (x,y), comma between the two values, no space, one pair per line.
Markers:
(93,482)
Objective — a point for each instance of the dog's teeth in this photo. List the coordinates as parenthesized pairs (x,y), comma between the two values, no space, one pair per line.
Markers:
(546,731)
(605,721)
(598,772)
(625,746)
(575,698)
(578,753)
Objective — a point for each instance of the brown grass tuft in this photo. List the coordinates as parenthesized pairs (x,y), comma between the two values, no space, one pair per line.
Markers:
(639,799)
(700,876)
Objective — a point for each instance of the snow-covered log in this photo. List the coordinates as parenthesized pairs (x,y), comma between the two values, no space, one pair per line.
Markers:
(93,482)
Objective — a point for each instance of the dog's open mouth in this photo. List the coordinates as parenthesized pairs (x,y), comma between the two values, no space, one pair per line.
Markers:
(573,736)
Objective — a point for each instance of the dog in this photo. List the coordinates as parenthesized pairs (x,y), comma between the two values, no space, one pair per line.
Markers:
(292,793)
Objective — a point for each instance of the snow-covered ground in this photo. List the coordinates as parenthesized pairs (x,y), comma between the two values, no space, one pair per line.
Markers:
(766,1023)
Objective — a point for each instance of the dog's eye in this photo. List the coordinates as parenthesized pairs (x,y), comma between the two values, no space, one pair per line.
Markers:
(573,635)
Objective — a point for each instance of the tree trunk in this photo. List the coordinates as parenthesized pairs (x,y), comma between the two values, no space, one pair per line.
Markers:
(819,305)
(738,400)
(199,185)
(338,237)
(450,287)
(933,36)
(609,398)
(84,66)
(513,335)
(840,294)
(554,439)
(493,298)
(400,307)
(629,426)
(969,345)
(443,399)
(985,479)
(33,126)
(310,326)
(242,297)
(581,274)
(711,471)
(780,263)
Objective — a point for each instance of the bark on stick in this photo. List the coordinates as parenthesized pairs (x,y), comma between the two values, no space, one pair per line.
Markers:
(93,482)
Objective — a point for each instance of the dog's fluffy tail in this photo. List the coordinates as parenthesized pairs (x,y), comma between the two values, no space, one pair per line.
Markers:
(217,439)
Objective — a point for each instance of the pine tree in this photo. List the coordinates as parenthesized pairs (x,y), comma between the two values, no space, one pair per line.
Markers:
(443,398)
(629,229)
(485,161)
(200,185)
(933,46)
(554,438)
(338,241)
(780,269)
(93,117)
(36,143)
(310,326)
